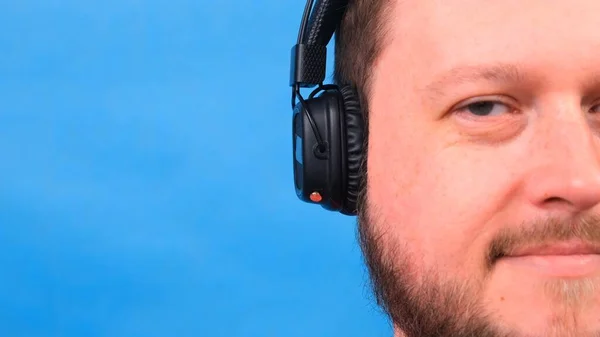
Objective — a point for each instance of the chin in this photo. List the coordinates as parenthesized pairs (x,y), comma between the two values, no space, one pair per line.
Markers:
(542,305)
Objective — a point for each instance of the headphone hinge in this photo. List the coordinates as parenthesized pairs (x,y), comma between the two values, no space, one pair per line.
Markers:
(308,63)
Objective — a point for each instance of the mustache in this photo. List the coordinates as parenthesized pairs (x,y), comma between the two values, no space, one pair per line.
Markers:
(585,228)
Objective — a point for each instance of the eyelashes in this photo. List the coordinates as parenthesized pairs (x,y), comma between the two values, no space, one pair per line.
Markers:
(485,108)
(495,107)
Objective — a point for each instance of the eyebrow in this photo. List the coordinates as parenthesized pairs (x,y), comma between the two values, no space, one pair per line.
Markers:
(499,73)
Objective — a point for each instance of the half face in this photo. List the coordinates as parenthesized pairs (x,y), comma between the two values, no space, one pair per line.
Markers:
(484,168)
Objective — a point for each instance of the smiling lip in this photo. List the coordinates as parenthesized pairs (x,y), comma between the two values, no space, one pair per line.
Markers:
(560,248)
(564,259)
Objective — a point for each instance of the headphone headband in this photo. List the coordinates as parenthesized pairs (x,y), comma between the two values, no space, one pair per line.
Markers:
(324,20)
(309,55)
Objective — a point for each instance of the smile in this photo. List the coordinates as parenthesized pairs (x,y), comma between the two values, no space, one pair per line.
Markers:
(565,259)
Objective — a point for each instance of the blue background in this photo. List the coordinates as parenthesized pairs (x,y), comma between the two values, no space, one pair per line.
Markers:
(145,177)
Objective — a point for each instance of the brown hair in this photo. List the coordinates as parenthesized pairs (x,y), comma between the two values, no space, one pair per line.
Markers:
(359,41)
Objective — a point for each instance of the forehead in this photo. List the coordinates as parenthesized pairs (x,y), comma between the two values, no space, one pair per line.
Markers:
(433,35)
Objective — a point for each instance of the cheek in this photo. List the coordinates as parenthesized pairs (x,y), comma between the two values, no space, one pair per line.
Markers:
(441,200)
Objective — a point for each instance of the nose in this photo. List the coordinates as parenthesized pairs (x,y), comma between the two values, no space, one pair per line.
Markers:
(568,178)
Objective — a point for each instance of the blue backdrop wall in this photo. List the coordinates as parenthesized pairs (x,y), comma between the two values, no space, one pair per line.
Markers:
(145,177)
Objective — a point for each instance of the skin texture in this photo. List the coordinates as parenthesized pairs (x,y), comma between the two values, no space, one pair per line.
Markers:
(450,189)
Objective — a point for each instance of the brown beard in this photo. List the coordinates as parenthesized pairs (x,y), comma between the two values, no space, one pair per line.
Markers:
(419,309)
(438,305)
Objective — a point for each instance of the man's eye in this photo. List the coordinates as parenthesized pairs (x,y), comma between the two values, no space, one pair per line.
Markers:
(486,108)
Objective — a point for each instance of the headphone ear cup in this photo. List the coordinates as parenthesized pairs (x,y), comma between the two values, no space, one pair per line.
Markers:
(354,141)
(320,176)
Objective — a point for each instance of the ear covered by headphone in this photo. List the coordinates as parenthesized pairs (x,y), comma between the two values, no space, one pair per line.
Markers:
(328,126)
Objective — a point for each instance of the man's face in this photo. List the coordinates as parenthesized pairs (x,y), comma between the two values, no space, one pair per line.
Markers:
(484,168)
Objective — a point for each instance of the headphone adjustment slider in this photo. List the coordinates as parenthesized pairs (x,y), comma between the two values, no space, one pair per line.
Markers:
(308,63)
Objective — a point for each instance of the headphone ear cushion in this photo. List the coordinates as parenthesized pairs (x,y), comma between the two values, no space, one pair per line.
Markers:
(354,147)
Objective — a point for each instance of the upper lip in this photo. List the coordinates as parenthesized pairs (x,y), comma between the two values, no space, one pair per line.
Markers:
(558,248)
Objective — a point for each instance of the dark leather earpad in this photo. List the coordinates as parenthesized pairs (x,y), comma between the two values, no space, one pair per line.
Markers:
(354,147)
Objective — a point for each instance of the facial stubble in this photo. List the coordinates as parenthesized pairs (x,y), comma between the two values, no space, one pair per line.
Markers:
(419,306)
(428,303)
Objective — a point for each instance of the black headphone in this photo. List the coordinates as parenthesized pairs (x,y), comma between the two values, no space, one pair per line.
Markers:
(328,127)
